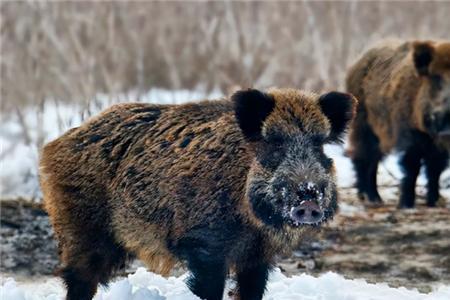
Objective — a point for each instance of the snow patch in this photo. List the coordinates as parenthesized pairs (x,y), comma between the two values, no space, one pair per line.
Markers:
(144,285)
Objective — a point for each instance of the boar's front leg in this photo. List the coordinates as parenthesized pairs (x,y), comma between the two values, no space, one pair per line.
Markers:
(207,278)
(206,263)
(435,164)
(410,162)
(252,280)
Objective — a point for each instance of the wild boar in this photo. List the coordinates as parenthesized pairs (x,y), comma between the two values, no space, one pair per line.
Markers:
(404,93)
(216,185)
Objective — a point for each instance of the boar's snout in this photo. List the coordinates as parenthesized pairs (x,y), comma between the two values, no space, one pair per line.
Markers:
(308,212)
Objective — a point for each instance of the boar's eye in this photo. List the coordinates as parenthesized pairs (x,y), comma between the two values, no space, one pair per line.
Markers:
(272,160)
(271,156)
(276,140)
(318,140)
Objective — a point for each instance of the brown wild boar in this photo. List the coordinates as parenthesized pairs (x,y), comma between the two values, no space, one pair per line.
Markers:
(404,94)
(215,185)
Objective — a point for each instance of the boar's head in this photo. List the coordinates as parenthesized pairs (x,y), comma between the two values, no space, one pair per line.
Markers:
(432,63)
(291,182)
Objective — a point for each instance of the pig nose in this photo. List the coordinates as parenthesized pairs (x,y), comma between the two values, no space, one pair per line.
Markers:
(308,212)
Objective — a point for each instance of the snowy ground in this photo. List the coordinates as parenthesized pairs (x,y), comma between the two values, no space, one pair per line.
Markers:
(143,285)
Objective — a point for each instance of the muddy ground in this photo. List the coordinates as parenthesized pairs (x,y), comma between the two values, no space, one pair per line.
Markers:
(402,248)
(408,248)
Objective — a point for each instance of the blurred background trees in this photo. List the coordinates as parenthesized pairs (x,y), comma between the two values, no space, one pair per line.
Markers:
(71,51)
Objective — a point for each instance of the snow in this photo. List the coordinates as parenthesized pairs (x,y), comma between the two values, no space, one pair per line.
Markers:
(143,285)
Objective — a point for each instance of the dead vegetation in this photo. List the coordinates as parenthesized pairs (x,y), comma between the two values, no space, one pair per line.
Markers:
(71,51)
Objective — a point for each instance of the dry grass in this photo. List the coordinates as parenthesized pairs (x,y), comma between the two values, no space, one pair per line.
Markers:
(71,51)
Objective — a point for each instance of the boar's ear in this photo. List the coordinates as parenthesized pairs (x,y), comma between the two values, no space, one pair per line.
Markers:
(422,55)
(251,108)
(339,108)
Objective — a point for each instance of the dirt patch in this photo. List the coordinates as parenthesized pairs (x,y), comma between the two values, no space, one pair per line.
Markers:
(27,246)
(401,247)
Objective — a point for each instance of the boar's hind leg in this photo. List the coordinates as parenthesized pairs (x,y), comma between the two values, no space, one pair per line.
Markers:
(80,285)
(435,163)
(372,191)
(88,252)
(88,265)
(252,281)
(366,156)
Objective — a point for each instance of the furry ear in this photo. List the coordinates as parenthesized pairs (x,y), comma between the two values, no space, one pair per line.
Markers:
(340,109)
(422,55)
(251,108)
